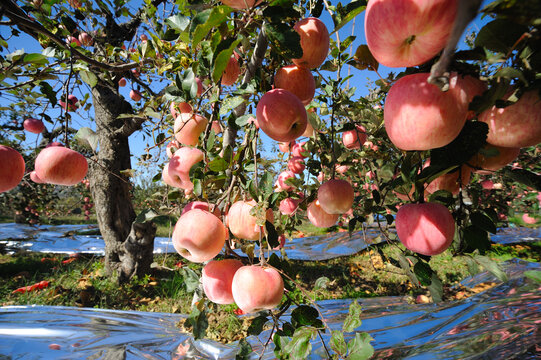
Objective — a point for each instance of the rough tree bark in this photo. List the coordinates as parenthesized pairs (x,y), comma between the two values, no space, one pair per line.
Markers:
(128,245)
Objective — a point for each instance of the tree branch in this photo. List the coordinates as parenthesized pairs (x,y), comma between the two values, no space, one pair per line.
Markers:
(33,28)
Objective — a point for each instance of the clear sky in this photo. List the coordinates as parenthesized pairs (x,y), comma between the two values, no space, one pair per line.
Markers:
(139,141)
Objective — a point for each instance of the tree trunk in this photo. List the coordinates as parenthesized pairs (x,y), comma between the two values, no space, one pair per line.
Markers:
(128,246)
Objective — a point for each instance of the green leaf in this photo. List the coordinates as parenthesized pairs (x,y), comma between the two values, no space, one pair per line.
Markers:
(256,327)
(347,13)
(476,239)
(363,59)
(36,59)
(242,121)
(197,187)
(223,53)
(423,271)
(266,183)
(511,74)
(535,275)
(321,283)
(305,315)
(199,322)
(436,288)
(272,235)
(218,164)
(491,266)
(89,78)
(522,176)
(146,216)
(230,103)
(500,35)
(217,15)
(360,348)
(245,350)
(483,221)
(87,137)
(338,344)
(178,22)
(284,39)
(191,279)
(48,91)
(300,347)
(353,320)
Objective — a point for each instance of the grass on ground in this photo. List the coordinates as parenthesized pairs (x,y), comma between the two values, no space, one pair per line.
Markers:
(81,281)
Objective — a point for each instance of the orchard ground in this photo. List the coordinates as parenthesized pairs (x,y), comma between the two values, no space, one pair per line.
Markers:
(80,281)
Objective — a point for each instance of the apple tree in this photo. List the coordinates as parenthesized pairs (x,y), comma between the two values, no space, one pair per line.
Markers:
(209,78)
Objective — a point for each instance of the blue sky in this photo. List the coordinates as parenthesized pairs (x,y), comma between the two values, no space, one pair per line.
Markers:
(138,143)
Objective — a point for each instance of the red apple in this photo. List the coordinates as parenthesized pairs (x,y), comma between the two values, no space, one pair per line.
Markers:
(256,288)
(54,143)
(335,196)
(318,217)
(286,147)
(296,80)
(188,127)
(72,103)
(122,82)
(178,169)
(35,178)
(492,158)
(75,3)
(217,278)
(528,219)
(314,42)
(299,149)
(216,127)
(515,126)
(288,206)
(419,116)
(296,164)
(203,205)
(86,39)
(487,184)
(231,72)
(180,108)
(72,40)
(426,228)
(354,139)
(135,95)
(34,126)
(11,168)
(281,241)
(61,166)
(281,115)
(281,182)
(405,33)
(242,224)
(199,235)
(143,37)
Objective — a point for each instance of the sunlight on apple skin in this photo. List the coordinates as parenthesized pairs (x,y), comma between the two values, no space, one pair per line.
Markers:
(256,288)
(11,168)
(318,217)
(315,42)
(408,33)
(426,228)
(217,279)
(297,80)
(61,166)
(242,224)
(335,196)
(199,235)
(281,115)
(188,127)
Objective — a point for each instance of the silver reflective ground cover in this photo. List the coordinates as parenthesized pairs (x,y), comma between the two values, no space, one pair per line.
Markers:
(500,323)
(61,239)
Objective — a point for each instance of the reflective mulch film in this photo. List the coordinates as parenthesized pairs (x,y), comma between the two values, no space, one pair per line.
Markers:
(84,239)
(500,323)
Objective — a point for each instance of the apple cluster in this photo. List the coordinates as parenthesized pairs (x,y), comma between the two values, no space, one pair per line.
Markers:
(200,235)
